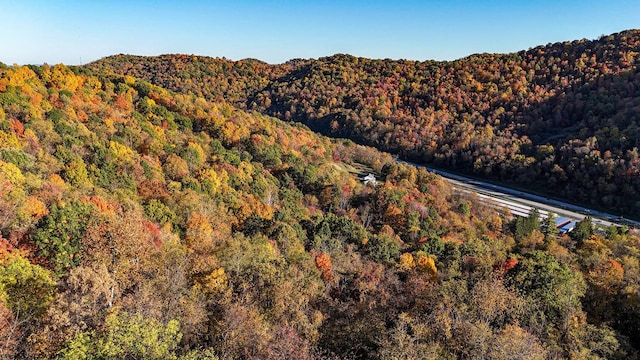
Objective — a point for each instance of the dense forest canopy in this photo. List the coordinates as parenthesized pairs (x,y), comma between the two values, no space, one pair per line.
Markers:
(140,222)
(561,119)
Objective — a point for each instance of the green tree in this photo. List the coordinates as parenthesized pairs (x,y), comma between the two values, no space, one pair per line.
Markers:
(523,227)
(550,230)
(159,212)
(552,292)
(382,248)
(27,289)
(58,236)
(582,230)
(126,337)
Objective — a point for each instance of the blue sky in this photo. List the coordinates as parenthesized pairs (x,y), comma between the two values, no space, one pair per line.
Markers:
(71,31)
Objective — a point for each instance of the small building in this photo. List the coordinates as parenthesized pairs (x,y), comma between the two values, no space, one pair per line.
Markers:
(562,221)
(370,180)
(568,227)
(565,225)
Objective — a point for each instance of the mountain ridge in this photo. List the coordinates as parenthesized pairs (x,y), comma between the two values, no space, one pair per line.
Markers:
(341,54)
(541,109)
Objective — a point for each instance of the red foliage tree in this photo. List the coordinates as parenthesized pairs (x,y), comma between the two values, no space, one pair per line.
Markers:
(323,263)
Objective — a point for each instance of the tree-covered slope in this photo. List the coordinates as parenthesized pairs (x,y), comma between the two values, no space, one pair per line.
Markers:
(140,223)
(560,119)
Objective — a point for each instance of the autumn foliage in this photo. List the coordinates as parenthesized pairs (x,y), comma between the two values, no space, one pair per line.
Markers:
(139,222)
(323,263)
(560,118)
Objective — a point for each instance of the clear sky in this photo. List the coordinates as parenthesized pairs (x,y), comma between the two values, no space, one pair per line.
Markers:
(72,31)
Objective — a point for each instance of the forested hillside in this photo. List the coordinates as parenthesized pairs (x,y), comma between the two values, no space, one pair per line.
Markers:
(139,223)
(560,119)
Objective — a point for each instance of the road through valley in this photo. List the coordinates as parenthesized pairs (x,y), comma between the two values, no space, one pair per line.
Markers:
(522,203)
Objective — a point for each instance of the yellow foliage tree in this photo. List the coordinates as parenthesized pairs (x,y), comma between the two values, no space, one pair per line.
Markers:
(76,173)
(8,140)
(427,265)
(252,205)
(211,181)
(57,180)
(406,262)
(129,80)
(245,172)
(232,133)
(213,283)
(205,269)
(20,76)
(61,78)
(199,230)
(12,173)
(34,208)
(123,154)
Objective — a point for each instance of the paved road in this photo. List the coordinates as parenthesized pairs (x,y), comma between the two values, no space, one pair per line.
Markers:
(521,203)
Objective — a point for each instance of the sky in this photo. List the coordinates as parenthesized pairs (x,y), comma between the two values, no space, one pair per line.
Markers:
(77,32)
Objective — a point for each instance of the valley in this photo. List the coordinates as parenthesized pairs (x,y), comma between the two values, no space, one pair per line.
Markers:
(189,207)
(560,118)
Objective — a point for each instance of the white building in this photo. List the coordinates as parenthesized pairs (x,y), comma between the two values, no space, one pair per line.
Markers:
(370,180)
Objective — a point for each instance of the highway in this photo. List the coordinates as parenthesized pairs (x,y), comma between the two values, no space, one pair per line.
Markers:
(521,203)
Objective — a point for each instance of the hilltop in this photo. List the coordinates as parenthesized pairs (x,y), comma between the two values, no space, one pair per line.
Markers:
(560,119)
